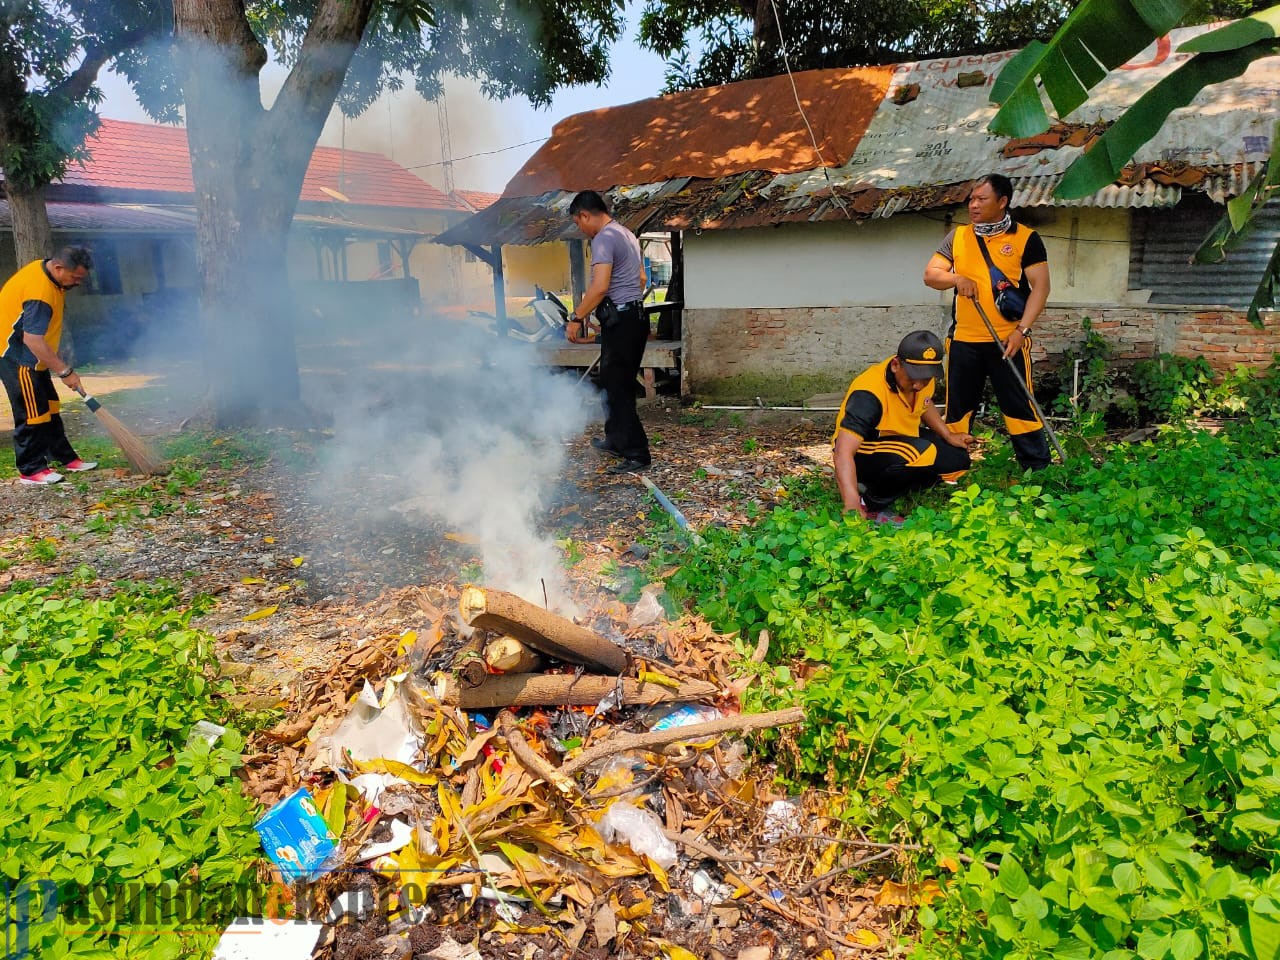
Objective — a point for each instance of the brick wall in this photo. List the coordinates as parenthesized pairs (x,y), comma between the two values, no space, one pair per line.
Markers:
(840,341)
(1223,337)
(836,342)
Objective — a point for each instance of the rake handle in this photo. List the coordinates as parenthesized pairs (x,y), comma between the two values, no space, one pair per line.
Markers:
(1026,390)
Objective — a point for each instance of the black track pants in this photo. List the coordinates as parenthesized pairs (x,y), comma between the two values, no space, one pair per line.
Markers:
(969,365)
(38,434)
(892,466)
(623,335)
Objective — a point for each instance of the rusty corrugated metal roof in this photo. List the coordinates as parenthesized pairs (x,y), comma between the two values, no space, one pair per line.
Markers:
(710,133)
(924,146)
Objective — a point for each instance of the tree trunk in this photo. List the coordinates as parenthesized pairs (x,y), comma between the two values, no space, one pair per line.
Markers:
(764,31)
(33,240)
(32,234)
(247,165)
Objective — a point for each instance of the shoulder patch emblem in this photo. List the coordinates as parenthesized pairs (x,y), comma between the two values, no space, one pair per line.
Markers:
(1007,250)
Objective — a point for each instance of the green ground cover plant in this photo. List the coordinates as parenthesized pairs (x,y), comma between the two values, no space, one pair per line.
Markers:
(105,798)
(1066,687)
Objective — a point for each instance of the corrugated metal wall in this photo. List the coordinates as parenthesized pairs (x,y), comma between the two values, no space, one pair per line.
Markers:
(1164,240)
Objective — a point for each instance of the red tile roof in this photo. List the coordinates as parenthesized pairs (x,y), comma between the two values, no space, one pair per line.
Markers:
(154,159)
(710,133)
(477,199)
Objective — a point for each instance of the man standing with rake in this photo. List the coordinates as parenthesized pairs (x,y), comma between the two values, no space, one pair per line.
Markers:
(967,262)
(31,304)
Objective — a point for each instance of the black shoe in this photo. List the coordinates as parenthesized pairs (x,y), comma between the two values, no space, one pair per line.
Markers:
(629,466)
(601,444)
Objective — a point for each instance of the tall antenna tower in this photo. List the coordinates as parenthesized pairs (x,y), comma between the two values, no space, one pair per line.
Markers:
(446,164)
(446,147)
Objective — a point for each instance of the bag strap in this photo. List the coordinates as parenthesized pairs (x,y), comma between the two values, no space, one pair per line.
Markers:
(997,275)
(986,255)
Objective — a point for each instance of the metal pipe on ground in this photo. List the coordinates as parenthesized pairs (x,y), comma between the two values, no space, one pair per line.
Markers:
(672,509)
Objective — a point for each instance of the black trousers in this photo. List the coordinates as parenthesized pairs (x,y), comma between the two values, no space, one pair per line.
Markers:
(893,466)
(38,434)
(623,334)
(969,365)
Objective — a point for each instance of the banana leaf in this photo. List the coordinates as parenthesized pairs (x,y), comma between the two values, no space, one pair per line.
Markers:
(1263,25)
(1268,289)
(1097,37)
(1102,163)
(1237,223)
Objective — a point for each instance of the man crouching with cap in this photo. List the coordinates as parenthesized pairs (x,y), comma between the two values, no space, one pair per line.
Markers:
(878,438)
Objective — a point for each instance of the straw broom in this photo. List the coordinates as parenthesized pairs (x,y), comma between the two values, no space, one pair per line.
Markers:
(135,451)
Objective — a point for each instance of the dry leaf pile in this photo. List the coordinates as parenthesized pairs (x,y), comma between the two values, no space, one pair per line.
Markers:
(503,816)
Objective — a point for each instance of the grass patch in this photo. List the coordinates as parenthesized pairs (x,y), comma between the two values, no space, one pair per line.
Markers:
(1073,677)
(773,390)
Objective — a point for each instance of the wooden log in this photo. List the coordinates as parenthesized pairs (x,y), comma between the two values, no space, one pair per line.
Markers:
(528,758)
(468,663)
(564,690)
(508,655)
(541,629)
(741,723)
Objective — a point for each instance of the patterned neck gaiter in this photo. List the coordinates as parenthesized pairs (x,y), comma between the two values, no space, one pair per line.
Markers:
(993,229)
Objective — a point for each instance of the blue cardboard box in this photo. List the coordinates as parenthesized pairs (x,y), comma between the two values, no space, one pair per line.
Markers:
(296,838)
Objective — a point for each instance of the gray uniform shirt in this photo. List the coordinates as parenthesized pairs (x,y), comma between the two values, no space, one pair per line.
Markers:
(617,245)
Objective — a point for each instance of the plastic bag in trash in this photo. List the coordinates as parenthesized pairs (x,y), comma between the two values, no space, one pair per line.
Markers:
(781,819)
(640,829)
(686,715)
(297,839)
(648,609)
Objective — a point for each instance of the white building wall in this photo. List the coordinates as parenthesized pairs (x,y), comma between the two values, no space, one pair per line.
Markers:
(827,299)
(881,262)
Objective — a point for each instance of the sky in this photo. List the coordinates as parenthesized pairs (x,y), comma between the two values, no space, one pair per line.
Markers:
(405,128)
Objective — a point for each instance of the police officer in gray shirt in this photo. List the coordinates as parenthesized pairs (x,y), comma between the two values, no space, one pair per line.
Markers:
(615,294)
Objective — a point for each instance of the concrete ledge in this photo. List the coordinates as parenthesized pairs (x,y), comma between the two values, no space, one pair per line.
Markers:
(658,354)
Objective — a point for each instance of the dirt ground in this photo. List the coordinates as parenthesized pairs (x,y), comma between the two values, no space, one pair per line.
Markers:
(299,581)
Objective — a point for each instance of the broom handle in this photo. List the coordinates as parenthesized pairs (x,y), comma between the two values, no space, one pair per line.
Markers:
(1017,375)
(90,400)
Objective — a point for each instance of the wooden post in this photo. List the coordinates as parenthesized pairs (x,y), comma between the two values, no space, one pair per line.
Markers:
(577,269)
(499,286)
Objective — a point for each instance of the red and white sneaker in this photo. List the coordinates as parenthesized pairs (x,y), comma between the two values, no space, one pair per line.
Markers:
(883,516)
(41,478)
(891,519)
(79,466)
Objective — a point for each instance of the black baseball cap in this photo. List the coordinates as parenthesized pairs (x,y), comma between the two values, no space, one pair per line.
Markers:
(920,354)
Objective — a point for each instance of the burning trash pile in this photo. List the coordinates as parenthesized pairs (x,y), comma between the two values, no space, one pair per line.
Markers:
(508,772)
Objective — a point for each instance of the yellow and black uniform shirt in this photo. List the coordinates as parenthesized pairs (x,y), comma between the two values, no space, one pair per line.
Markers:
(873,407)
(1012,252)
(31,302)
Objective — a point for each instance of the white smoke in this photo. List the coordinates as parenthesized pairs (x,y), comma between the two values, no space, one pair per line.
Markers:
(468,430)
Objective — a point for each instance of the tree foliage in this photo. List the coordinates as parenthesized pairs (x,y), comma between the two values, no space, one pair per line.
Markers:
(708,42)
(511,48)
(50,55)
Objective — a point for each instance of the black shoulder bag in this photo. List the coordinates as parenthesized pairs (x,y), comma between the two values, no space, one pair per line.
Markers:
(1011,298)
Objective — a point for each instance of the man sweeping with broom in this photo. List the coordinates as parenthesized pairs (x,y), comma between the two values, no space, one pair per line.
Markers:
(31,305)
